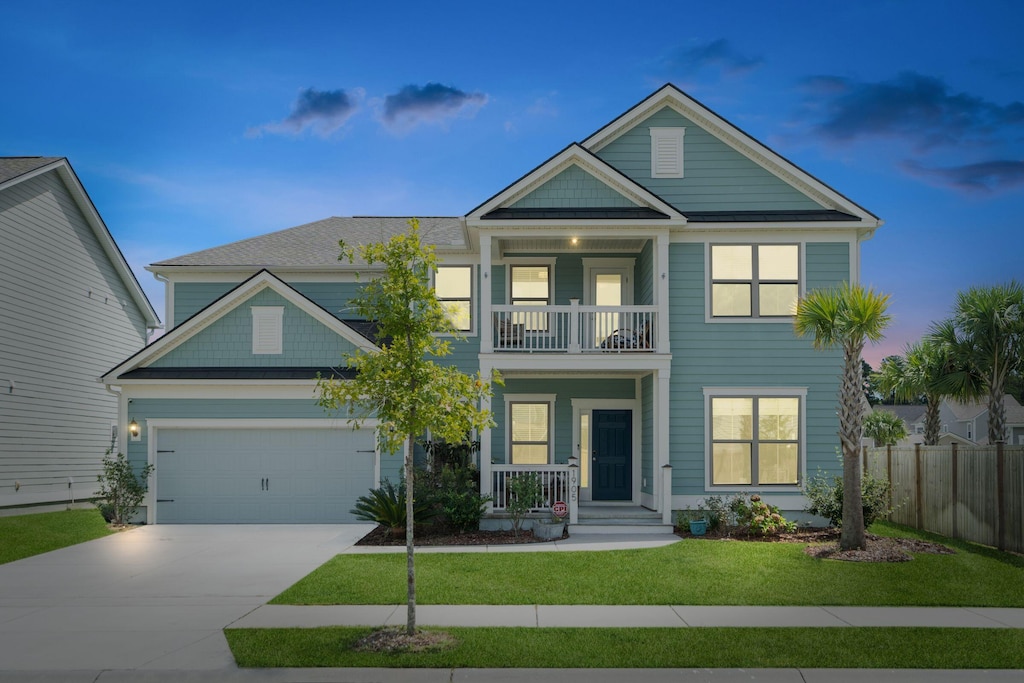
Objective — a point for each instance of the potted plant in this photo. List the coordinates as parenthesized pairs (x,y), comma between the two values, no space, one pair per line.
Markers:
(549,529)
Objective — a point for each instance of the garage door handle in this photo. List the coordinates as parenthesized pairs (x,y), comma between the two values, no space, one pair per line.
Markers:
(263,484)
(165,500)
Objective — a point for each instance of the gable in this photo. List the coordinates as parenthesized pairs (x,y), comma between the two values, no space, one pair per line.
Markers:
(573,187)
(716,177)
(228,341)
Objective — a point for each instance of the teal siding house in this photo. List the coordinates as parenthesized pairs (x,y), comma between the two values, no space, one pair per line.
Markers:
(635,291)
(69,309)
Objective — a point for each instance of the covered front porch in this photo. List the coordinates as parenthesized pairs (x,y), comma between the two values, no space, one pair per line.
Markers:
(594,442)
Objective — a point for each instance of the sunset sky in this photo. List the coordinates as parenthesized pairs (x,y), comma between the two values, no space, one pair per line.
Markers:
(197,124)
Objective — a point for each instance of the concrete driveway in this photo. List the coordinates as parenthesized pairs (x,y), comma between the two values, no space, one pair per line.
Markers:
(154,597)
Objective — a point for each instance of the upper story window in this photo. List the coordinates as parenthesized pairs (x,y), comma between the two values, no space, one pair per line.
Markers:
(453,287)
(531,285)
(267,329)
(667,152)
(755,440)
(754,280)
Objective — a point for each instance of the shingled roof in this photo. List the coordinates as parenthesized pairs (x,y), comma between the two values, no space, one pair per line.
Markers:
(12,167)
(316,244)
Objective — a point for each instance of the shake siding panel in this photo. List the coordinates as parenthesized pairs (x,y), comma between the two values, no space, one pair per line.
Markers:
(716,177)
(573,187)
(228,341)
(747,355)
(65,318)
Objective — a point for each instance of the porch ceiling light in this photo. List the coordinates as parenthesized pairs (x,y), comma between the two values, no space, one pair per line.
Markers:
(574,241)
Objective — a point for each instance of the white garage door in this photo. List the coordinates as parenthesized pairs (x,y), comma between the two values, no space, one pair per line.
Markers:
(261,476)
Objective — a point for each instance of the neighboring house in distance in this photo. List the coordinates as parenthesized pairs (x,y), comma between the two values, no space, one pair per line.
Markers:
(69,308)
(635,291)
(965,424)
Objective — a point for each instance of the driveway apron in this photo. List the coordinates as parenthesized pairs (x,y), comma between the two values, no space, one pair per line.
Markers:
(153,597)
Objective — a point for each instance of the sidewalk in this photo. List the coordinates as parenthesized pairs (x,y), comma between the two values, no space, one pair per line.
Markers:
(611,616)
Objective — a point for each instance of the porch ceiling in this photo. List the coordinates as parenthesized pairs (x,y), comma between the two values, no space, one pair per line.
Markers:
(583,244)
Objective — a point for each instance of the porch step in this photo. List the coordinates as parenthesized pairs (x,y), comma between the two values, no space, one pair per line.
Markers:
(618,519)
(611,527)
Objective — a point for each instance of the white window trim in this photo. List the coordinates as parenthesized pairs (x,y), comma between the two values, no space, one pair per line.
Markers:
(676,135)
(268,315)
(474,297)
(548,261)
(625,264)
(529,398)
(801,289)
(756,392)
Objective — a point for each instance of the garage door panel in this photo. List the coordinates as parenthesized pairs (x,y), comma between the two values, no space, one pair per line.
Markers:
(223,476)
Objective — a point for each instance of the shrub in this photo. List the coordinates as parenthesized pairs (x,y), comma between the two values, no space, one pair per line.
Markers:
(825,498)
(459,500)
(386,506)
(121,491)
(759,517)
(525,492)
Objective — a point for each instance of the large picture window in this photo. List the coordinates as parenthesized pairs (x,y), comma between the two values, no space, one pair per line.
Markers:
(754,280)
(530,432)
(453,287)
(755,440)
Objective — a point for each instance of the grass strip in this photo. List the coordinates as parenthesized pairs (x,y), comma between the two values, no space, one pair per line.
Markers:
(691,572)
(28,535)
(883,648)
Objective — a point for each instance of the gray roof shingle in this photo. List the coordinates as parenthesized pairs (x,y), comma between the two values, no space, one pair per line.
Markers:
(12,167)
(316,244)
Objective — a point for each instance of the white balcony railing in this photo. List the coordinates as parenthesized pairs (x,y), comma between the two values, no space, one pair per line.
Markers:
(559,483)
(576,329)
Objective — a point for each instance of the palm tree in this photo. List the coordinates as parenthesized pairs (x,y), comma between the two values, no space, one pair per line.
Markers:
(919,372)
(846,316)
(985,337)
(884,428)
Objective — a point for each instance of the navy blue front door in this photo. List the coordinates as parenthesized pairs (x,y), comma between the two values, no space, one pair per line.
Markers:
(612,456)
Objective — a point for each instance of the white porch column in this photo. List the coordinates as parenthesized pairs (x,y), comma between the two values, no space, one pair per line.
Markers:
(662,459)
(485,443)
(574,489)
(574,325)
(486,322)
(662,275)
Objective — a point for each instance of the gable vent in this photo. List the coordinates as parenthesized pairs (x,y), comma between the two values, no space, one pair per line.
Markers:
(267,329)
(667,152)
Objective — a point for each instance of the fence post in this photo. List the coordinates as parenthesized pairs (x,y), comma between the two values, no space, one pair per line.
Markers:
(888,475)
(955,497)
(1001,494)
(917,485)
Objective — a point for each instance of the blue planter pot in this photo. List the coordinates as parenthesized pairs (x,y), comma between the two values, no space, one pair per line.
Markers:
(698,527)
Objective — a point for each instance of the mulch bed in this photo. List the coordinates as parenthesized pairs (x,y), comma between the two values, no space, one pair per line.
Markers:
(823,544)
(382,536)
(397,640)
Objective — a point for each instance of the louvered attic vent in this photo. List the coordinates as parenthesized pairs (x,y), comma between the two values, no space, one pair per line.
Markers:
(267,329)
(667,152)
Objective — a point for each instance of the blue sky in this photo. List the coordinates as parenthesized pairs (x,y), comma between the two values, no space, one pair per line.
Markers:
(197,124)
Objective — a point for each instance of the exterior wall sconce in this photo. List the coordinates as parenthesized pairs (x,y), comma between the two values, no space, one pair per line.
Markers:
(133,430)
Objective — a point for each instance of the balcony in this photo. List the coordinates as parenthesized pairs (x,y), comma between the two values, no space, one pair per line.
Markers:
(575,329)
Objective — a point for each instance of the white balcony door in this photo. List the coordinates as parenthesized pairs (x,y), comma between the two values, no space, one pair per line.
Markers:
(609,283)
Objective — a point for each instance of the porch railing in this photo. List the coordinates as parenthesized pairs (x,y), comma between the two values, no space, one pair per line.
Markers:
(576,329)
(559,483)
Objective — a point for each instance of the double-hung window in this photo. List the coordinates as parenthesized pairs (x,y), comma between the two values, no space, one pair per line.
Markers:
(530,433)
(754,280)
(453,287)
(531,286)
(755,440)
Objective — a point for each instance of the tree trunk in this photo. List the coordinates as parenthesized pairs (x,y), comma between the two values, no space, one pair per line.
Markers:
(932,422)
(996,413)
(410,522)
(851,420)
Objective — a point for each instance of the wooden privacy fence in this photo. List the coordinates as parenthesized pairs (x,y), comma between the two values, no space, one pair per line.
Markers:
(975,493)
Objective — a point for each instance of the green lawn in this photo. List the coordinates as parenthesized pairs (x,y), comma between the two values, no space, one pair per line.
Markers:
(882,648)
(692,572)
(27,535)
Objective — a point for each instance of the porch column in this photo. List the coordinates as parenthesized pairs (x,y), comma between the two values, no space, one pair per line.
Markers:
(662,276)
(662,459)
(486,322)
(485,445)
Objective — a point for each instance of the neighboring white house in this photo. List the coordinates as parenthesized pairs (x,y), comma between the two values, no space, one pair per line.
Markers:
(69,309)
